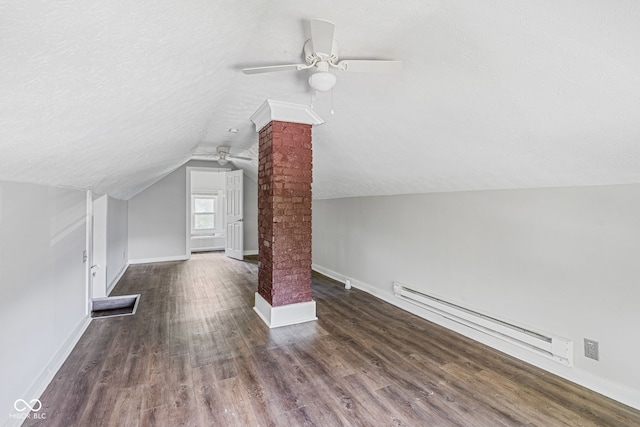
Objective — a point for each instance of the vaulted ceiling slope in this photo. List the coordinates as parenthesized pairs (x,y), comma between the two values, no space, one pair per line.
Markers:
(111,96)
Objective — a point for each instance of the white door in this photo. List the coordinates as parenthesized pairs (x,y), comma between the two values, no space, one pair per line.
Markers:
(86,256)
(234,230)
(99,248)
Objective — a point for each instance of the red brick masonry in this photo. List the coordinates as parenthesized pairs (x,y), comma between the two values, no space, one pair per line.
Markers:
(284,213)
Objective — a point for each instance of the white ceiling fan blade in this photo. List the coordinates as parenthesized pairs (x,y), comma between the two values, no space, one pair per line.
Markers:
(272,68)
(205,158)
(322,36)
(231,156)
(370,66)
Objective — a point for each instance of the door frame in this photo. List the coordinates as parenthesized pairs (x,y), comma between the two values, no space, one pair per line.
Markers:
(187,230)
(87,257)
(99,247)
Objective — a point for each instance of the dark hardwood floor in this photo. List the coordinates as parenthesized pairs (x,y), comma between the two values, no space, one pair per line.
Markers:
(197,354)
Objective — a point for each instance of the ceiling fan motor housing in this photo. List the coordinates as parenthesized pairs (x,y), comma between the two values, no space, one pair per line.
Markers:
(310,56)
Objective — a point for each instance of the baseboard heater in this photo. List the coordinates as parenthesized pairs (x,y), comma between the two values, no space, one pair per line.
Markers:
(556,348)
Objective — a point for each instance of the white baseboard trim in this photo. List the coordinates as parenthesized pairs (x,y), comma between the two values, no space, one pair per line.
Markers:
(208,249)
(250,252)
(286,314)
(48,373)
(615,391)
(159,259)
(115,281)
(329,273)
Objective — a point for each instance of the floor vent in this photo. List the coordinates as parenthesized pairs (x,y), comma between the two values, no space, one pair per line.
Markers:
(556,348)
(121,305)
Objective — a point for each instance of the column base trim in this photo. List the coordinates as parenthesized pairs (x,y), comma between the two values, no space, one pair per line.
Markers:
(284,315)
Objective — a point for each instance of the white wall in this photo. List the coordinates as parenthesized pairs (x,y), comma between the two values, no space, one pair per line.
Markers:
(117,240)
(563,261)
(157,219)
(206,182)
(43,290)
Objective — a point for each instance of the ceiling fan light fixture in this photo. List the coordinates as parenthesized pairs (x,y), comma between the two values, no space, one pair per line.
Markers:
(222,161)
(322,81)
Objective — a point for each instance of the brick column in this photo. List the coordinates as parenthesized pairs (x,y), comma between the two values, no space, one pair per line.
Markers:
(284,215)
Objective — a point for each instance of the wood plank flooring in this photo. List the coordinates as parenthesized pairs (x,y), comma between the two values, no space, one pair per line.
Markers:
(196,354)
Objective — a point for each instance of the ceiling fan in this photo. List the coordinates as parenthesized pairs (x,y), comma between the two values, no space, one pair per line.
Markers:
(221,155)
(321,54)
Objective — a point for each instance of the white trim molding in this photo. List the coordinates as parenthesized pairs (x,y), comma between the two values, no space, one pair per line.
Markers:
(47,375)
(159,259)
(284,315)
(115,281)
(284,112)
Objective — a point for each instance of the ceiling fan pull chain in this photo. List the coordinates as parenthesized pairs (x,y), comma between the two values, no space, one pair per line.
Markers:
(332,112)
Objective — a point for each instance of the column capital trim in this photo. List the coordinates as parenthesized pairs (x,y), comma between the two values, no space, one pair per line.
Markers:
(284,112)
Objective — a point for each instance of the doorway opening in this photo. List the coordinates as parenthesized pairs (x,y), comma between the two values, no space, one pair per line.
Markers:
(214,211)
(206,211)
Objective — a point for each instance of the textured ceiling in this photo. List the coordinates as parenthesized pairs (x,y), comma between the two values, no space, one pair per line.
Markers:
(111,96)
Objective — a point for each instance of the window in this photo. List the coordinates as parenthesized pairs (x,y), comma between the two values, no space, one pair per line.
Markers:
(203,213)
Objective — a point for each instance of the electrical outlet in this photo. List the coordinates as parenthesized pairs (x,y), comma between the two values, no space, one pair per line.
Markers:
(591,349)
